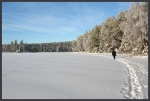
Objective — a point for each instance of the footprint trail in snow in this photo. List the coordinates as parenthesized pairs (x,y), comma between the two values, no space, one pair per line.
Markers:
(133,87)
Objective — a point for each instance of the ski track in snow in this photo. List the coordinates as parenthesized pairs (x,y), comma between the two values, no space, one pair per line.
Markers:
(132,88)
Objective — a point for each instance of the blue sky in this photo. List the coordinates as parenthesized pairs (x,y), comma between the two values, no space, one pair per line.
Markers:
(42,22)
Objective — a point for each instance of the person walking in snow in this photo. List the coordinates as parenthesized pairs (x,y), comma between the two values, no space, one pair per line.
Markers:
(113,54)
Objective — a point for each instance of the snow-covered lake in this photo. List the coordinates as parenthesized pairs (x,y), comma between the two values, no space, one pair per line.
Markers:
(73,76)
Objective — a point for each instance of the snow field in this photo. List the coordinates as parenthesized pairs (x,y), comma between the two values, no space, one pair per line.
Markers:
(71,76)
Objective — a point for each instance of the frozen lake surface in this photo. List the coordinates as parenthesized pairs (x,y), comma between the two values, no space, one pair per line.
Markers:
(73,76)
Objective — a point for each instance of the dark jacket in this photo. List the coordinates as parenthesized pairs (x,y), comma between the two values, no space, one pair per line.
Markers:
(113,53)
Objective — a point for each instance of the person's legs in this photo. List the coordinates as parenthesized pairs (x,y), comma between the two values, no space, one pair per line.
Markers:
(114,56)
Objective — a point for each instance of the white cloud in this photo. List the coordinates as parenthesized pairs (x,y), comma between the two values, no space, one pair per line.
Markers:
(40,24)
(49,23)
